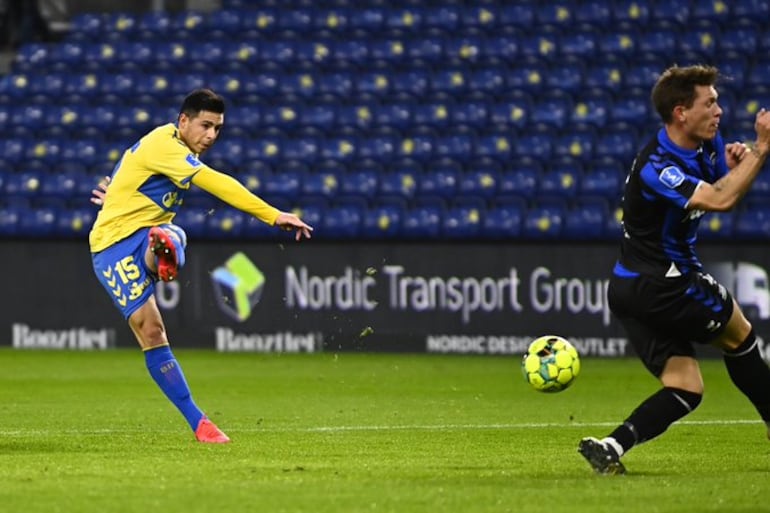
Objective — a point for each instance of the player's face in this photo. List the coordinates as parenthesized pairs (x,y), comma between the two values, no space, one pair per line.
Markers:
(200,132)
(702,119)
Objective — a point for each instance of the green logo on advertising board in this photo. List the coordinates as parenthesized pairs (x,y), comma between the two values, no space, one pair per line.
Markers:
(238,286)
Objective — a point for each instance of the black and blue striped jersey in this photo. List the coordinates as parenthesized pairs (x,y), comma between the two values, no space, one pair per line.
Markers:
(659,230)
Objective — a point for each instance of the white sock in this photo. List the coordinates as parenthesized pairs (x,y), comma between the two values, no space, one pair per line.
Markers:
(614,444)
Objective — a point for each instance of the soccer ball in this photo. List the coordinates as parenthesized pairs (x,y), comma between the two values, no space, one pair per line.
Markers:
(550,364)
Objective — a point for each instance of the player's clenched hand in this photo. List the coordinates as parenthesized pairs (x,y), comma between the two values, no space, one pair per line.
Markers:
(734,153)
(762,126)
(290,222)
(100,191)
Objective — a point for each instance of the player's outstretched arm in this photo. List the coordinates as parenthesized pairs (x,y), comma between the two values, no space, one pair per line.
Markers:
(232,192)
(100,191)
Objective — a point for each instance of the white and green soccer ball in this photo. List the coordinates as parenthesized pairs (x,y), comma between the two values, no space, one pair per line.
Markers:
(550,364)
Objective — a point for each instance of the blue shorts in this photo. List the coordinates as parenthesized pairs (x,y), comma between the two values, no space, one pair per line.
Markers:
(123,273)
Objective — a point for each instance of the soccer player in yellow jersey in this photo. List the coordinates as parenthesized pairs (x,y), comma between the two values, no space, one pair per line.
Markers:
(134,243)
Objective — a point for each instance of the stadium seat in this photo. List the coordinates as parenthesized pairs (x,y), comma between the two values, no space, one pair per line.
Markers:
(534,145)
(520,182)
(383,221)
(701,41)
(561,181)
(513,114)
(440,180)
(341,222)
(741,39)
(621,145)
(752,221)
(553,113)
(479,182)
(422,222)
(503,221)
(224,223)
(462,222)
(544,221)
(325,184)
(497,145)
(586,220)
(605,179)
(401,184)
(578,145)
(717,226)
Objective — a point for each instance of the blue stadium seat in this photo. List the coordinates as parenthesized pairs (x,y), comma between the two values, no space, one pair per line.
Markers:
(427,49)
(700,41)
(590,111)
(433,114)
(351,52)
(578,45)
(414,83)
(439,181)
(443,17)
(631,109)
(752,221)
(479,182)
(662,43)
(497,145)
(603,180)
(528,77)
(619,144)
(552,112)
(544,221)
(607,78)
(369,18)
(452,81)
(393,114)
(224,223)
(362,182)
(464,48)
(741,39)
(717,226)
(676,11)
(341,222)
(401,183)
(560,181)
(38,221)
(504,48)
(593,13)
(488,81)
(457,147)
(422,222)
(520,182)
(472,114)
(515,14)
(503,221)
(511,113)
(579,145)
(74,222)
(620,44)
(462,222)
(535,145)
(383,221)
(586,220)
(418,147)
(379,148)
(323,184)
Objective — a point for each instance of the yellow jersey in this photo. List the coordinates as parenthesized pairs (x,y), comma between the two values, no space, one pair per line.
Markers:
(149,183)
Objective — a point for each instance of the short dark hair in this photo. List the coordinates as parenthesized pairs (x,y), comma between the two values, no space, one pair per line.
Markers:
(200,100)
(676,86)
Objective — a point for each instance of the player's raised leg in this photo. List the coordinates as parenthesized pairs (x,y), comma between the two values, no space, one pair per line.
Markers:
(165,251)
(148,327)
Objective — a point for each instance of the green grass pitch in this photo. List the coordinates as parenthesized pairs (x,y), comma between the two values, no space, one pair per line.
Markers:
(90,432)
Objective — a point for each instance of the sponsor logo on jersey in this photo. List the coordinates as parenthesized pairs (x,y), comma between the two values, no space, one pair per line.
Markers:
(193,160)
(671,177)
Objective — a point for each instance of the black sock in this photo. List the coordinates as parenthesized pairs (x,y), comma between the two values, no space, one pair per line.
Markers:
(750,374)
(654,415)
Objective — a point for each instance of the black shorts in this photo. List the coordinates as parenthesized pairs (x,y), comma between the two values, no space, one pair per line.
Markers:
(664,317)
